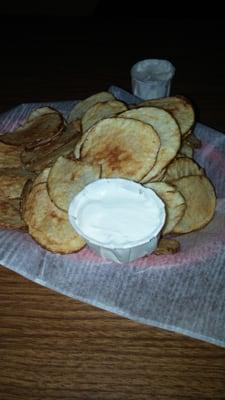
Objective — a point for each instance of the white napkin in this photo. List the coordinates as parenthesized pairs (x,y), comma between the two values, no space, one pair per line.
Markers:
(184,292)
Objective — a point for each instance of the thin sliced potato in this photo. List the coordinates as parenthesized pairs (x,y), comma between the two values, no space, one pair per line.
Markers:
(10,216)
(12,186)
(168,131)
(167,246)
(186,150)
(80,108)
(35,132)
(101,110)
(9,155)
(179,106)
(174,203)
(182,166)
(48,225)
(41,111)
(69,177)
(49,158)
(200,199)
(31,156)
(124,148)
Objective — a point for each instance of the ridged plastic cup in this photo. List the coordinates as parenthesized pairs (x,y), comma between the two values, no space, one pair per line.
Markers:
(151,78)
(127,252)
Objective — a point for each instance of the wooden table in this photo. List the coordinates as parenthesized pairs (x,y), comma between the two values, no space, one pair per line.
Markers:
(52,347)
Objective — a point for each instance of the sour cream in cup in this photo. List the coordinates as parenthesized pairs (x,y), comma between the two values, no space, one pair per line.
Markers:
(120,219)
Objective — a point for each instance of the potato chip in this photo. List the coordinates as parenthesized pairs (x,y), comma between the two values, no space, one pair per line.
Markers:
(185,150)
(168,131)
(10,216)
(182,166)
(179,106)
(9,155)
(39,130)
(80,108)
(48,159)
(69,177)
(200,199)
(40,111)
(101,110)
(48,225)
(12,186)
(167,246)
(124,148)
(174,203)
(33,155)
(42,177)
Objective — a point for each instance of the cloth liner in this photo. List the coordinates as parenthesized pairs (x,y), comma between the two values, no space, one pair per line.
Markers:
(184,292)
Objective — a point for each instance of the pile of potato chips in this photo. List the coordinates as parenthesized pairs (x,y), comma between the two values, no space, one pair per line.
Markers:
(48,160)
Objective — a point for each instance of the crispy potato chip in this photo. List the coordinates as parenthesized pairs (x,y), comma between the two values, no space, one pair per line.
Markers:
(39,130)
(49,159)
(69,177)
(10,216)
(80,108)
(40,111)
(101,110)
(12,186)
(168,131)
(32,156)
(125,148)
(185,150)
(174,203)
(167,246)
(42,176)
(9,155)
(48,225)
(200,199)
(158,177)
(179,106)
(24,195)
(182,166)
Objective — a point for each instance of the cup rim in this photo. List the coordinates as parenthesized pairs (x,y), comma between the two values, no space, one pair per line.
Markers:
(134,71)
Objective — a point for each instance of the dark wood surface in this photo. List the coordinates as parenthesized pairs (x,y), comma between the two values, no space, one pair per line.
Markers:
(52,347)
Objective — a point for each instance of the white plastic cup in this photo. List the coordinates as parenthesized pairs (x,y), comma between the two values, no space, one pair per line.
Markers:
(151,78)
(127,252)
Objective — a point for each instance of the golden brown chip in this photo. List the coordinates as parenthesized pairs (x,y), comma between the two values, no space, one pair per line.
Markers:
(174,204)
(48,225)
(42,177)
(9,155)
(179,106)
(200,199)
(40,111)
(10,216)
(12,186)
(69,177)
(124,148)
(168,131)
(39,130)
(182,166)
(48,159)
(167,246)
(71,134)
(101,110)
(185,150)
(80,108)
(24,195)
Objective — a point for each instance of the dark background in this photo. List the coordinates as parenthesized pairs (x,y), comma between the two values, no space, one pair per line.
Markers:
(64,52)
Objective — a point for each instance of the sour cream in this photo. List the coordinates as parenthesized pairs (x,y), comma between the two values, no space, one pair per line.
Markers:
(117,213)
